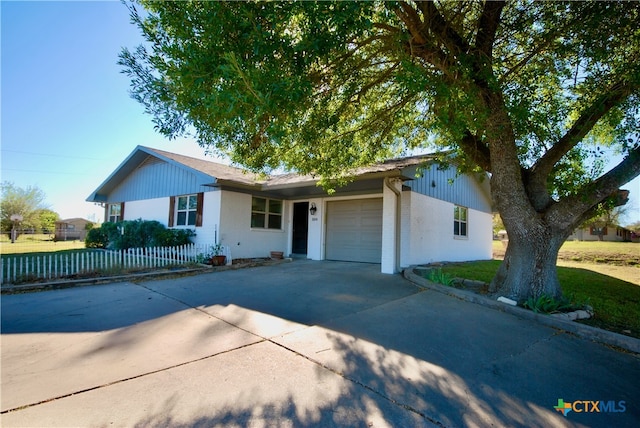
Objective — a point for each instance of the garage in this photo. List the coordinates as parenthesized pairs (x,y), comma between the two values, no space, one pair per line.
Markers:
(354,230)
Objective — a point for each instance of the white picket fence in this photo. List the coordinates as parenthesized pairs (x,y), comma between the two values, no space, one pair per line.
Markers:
(22,268)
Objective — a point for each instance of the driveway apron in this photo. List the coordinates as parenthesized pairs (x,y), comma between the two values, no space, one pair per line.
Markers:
(297,344)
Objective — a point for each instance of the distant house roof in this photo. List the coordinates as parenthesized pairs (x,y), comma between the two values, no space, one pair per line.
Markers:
(73,220)
(216,174)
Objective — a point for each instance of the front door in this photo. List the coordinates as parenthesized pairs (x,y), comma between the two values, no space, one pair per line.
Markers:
(300,227)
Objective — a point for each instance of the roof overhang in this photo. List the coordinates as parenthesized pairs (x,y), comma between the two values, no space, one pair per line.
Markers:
(307,187)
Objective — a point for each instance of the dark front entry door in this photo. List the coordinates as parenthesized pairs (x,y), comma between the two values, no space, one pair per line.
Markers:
(300,227)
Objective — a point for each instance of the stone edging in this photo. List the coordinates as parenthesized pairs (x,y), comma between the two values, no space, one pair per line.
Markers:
(57,285)
(585,331)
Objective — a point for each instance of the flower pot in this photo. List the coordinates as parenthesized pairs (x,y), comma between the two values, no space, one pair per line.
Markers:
(218,260)
(277,255)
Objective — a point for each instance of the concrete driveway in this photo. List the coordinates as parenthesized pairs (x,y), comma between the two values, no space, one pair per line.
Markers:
(298,344)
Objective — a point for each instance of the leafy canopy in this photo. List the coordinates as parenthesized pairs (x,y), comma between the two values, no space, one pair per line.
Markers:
(320,86)
(27,202)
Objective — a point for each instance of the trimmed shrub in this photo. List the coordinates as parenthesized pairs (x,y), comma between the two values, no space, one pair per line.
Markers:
(136,234)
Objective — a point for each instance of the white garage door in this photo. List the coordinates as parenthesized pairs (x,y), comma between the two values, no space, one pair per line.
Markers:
(354,230)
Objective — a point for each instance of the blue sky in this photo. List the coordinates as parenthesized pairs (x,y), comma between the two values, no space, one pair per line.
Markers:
(67,118)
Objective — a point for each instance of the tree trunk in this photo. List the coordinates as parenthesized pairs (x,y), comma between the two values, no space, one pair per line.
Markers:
(529,266)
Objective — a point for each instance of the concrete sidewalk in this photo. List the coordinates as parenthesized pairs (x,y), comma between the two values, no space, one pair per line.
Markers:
(298,344)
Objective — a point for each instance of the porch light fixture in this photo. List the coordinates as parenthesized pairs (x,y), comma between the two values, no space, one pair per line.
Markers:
(313,209)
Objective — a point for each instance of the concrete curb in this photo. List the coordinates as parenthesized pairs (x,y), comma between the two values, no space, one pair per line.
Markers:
(581,330)
(57,285)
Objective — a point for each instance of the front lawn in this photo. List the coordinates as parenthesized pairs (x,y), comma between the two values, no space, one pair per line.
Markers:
(600,252)
(616,303)
(37,243)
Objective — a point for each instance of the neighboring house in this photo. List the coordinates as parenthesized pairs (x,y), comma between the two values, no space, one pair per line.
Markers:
(610,233)
(387,215)
(71,229)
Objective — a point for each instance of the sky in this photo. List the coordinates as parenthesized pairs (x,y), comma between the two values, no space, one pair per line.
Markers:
(67,120)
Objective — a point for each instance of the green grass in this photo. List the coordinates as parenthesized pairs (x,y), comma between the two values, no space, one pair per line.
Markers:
(592,249)
(630,249)
(37,243)
(616,303)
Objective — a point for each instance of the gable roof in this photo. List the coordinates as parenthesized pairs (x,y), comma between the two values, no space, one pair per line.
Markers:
(215,170)
(214,174)
(206,172)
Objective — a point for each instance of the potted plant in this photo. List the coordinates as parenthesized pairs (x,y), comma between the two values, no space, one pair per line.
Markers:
(217,256)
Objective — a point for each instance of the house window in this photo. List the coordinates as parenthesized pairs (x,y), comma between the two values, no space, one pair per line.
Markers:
(186,210)
(597,231)
(115,213)
(460,221)
(266,213)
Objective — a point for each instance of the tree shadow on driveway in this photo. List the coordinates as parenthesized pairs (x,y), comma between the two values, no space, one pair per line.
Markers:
(337,341)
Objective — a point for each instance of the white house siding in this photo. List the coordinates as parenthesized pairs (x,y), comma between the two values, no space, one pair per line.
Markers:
(236,232)
(390,236)
(158,209)
(427,232)
(315,237)
(149,209)
(206,234)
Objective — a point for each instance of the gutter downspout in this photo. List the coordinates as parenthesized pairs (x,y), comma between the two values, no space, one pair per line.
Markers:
(387,182)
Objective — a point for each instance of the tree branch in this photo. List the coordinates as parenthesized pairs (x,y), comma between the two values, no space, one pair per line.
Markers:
(585,123)
(476,150)
(375,82)
(410,17)
(441,28)
(488,26)
(576,209)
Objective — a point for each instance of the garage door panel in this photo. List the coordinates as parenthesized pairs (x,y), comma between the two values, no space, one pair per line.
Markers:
(354,230)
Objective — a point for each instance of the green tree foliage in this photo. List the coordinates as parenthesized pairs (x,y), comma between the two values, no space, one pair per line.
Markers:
(530,92)
(136,234)
(47,220)
(28,202)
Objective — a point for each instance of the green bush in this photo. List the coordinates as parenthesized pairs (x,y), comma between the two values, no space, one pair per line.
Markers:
(173,237)
(96,238)
(136,234)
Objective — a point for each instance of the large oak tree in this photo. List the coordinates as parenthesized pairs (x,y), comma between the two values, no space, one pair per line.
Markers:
(533,93)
